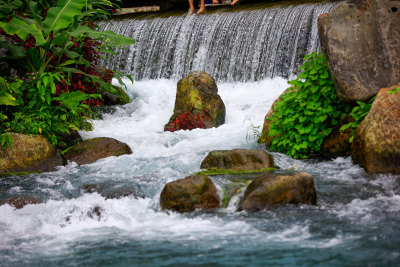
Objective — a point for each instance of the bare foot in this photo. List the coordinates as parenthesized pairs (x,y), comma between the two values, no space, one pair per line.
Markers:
(234,2)
(190,11)
(215,2)
(201,10)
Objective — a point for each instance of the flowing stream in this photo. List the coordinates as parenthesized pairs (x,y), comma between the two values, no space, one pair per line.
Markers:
(355,223)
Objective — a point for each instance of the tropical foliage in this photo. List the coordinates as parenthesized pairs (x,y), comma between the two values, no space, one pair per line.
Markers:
(48,56)
(307,111)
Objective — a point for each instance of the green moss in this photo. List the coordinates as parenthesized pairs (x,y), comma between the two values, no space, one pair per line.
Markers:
(9,174)
(123,96)
(214,171)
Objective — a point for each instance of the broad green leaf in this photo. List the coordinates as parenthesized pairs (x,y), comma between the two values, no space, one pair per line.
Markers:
(109,36)
(7,100)
(61,16)
(23,29)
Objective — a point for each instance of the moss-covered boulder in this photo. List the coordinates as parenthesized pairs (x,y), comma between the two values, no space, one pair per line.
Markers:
(91,150)
(376,143)
(19,202)
(197,93)
(269,190)
(117,97)
(29,153)
(190,193)
(238,159)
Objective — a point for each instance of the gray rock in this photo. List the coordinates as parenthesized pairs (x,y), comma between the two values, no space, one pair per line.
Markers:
(361,41)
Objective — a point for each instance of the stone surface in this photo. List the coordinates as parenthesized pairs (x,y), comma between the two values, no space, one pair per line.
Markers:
(198,93)
(20,201)
(376,143)
(119,98)
(190,193)
(269,190)
(264,138)
(337,142)
(110,191)
(361,41)
(29,153)
(91,150)
(69,139)
(238,159)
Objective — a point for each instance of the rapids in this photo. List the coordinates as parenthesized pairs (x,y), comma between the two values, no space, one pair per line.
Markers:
(356,221)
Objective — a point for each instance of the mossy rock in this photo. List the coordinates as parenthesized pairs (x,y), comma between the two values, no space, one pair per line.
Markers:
(197,93)
(269,190)
(29,153)
(118,97)
(91,150)
(238,160)
(190,193)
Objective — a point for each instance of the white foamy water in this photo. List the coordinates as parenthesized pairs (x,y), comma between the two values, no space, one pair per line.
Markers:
(68,222)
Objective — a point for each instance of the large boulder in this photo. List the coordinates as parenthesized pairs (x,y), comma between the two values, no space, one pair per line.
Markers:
(197,94)
(238,159)
(91,150)
(376,143)
(190,193)
(19,202)
(29,153)
(269,190)
(361,41)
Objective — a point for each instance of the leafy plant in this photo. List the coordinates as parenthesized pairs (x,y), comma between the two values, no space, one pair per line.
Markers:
(37,111)
(358,113)
(307,111)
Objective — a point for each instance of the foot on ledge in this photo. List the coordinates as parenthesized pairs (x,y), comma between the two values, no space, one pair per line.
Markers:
(234,2)
(201,10)
(190,12)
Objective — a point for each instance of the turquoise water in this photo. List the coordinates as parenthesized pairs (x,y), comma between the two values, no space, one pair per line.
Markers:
(355,223)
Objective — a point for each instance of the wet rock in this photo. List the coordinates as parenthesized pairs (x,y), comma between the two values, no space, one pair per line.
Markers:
(238,159)
(69,139)
(190,193)
(95,212)
(29,153)
(118,97)
(91,150)
(361,41)
(376,143)
(269,190)
(337,142)
(111,191)
(197,93)
(264,138)
(20,201)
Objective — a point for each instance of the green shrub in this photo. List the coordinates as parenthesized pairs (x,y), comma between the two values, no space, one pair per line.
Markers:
(307,111)
(358,113)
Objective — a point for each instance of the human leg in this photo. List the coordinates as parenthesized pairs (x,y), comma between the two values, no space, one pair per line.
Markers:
(191,7)
(202,7)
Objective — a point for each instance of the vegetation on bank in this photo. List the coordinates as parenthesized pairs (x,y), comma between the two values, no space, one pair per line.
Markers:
(309,109)
(49,78)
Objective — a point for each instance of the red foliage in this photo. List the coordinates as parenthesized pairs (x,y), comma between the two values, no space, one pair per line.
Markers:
(188,121)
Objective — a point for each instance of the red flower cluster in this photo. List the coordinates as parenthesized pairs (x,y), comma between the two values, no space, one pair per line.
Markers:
(188,121)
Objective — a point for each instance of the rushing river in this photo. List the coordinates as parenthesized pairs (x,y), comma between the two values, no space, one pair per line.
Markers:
(355,223)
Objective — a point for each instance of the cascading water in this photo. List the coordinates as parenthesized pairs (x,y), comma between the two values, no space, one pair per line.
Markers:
(230,46)
(355,222)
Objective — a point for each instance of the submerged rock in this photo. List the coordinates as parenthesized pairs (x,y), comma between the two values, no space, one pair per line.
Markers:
(269,190)
(91,150)
(29,153)
(20,201)
(197,94)
(376,143)
(238,159)
(109,191)
(361,41)
(190,193)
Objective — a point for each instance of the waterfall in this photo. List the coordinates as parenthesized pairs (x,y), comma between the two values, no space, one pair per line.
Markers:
(248,45)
